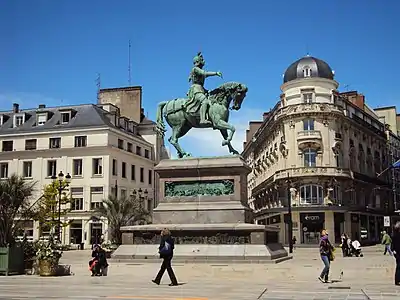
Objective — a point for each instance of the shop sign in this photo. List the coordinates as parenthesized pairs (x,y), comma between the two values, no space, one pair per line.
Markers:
(312,217)
(386,221)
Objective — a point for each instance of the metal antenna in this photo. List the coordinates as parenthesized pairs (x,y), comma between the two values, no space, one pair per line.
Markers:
(98,84)
(346,87)
(129,64)
(307,50)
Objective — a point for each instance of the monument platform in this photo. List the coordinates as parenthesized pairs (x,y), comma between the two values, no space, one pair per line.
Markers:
(203,202)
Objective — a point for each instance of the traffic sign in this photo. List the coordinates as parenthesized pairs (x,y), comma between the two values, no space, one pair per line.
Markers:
(386,221)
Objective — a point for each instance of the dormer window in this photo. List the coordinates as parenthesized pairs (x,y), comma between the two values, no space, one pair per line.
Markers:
(19,120)
(65,117)
(307,72)
(41,119)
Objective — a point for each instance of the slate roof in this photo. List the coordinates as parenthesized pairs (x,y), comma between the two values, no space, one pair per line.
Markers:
(83,116)
(319,68)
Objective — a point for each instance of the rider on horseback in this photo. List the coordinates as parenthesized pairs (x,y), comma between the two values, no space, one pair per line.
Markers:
(197,93)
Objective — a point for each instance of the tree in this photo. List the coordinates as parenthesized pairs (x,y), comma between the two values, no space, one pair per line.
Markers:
(14,204)
(46,208)
(121,212)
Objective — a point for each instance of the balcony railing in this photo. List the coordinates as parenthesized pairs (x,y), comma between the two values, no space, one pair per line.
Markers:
(316,171)
(309,134)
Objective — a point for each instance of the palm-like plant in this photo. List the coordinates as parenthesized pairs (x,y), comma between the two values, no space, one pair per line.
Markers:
(121,212)
(14,204)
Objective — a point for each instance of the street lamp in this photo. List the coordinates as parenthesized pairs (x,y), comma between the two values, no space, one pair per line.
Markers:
(61,187)
(290,220)
(140,195)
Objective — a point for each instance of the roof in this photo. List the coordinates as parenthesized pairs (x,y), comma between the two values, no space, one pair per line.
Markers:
(318,67)
(82,116)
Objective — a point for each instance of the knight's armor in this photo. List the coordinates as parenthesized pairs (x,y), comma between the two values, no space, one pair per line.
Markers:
(197,95)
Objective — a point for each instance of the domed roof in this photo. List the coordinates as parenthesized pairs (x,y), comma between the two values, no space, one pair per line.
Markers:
(308,66)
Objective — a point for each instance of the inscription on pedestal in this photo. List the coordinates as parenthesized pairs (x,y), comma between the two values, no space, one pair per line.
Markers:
(198,188)
(187,237)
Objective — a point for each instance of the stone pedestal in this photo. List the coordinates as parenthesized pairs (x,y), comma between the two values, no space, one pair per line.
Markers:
(203,201)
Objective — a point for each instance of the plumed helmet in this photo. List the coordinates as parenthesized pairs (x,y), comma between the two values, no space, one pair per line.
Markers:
(198,58)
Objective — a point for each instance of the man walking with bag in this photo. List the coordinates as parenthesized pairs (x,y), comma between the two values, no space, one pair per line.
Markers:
(166,250)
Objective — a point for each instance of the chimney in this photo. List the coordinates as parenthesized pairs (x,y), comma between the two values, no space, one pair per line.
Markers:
(41,106)
(15,108)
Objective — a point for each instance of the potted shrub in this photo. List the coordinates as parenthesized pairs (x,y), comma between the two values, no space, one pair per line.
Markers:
(48,255)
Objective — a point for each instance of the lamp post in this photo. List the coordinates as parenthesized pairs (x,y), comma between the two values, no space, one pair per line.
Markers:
(61,187)
(141,195)
(290,220)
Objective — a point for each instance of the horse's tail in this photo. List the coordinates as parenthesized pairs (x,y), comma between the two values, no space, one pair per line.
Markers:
(160,120)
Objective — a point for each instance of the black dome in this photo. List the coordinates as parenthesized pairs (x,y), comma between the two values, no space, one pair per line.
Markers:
(317,68)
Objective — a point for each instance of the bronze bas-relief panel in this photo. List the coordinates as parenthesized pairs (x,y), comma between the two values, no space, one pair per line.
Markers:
(199,188)
(196,237)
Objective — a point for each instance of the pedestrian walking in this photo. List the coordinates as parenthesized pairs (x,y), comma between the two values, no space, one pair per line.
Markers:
(166,250)
(326,252)
(395,247)
(387,241)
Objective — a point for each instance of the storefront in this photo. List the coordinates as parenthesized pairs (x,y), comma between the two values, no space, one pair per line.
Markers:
(311,225)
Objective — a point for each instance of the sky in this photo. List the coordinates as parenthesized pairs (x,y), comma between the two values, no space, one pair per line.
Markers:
(52,51)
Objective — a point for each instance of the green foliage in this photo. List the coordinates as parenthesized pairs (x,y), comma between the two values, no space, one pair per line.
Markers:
(46,208)
(121,212)
(48,250)
(14,204)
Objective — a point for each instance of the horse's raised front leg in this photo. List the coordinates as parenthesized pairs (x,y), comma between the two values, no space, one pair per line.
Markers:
(232,150)
(222,125)
(177,132)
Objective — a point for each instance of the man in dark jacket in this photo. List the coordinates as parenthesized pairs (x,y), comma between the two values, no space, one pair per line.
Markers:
(166,250)
(396,251)
(99,256)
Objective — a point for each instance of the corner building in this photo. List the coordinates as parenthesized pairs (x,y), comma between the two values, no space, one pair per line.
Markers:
(322,149)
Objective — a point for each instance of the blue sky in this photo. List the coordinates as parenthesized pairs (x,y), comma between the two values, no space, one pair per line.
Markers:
(51,51)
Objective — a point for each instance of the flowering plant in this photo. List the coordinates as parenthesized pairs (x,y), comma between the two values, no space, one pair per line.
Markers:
(48,250)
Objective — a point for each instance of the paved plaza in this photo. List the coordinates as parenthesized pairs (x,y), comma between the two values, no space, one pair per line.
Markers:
(370,277)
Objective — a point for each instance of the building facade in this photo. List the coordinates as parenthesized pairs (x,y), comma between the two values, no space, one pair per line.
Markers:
(103,151)
(323,149)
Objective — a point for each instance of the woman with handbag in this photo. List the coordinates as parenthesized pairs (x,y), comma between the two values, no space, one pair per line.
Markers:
(166,250)
(326,252)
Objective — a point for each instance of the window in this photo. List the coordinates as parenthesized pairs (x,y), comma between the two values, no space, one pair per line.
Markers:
(146,153)
(336,194)
(51,168)
(113,191)
(65,117)
(138,150)
(311,194)
(133,172)
(80,141)
(141,174)
(123,171)
(307,72)
(18,120)
(123,193)
(114,167)
(308,98)
(27,169)
(77,204)
(54,143)
(77,167)
(308,124)
(41,119)
(30,144)
(97,166)
(150,177)
(310,157)
(3,170)
(129,147)
(339,159)
(8,146)
(120,144)
(96,197)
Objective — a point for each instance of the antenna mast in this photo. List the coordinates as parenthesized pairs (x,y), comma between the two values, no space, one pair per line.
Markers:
(98,84)
(129,64)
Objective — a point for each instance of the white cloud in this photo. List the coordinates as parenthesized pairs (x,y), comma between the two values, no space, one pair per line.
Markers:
(208,142)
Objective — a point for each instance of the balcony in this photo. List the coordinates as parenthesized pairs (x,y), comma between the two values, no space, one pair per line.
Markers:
(309,139)
(317,172)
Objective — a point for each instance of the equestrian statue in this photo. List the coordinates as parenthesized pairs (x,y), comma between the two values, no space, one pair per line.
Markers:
(202,108)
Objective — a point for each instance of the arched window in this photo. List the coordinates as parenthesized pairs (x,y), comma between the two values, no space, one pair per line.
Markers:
(337,194)
(307,72)
(311,194)
(308,124)
(310,157)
